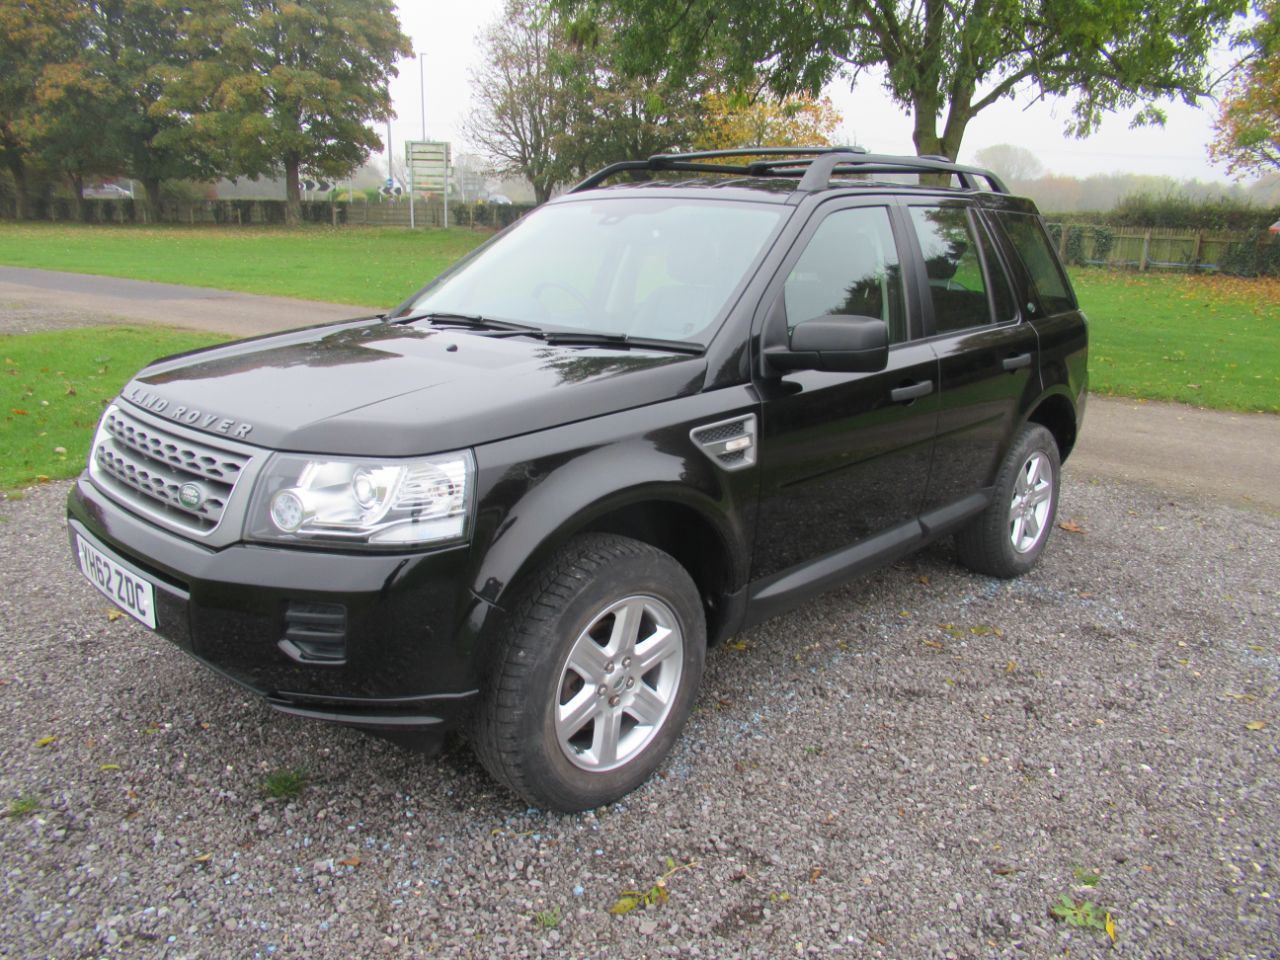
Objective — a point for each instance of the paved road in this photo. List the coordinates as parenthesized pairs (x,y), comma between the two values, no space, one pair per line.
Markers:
(1168,446)
(91,299)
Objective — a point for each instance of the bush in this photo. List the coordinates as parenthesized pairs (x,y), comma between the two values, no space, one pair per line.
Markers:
(1253,257)
(1177,213)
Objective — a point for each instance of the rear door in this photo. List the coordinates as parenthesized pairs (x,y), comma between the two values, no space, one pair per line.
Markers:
(988,354)
(844,456)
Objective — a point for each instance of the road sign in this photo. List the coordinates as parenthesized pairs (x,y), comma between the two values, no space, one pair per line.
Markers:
(428,163)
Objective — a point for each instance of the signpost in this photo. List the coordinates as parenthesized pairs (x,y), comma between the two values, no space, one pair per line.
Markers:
(428,163)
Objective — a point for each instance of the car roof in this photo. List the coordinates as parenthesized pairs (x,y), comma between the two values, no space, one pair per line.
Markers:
(790,174)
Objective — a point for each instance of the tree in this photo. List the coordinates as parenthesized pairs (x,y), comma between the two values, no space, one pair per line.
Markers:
(554,105)
(1009,161)
(766,121)
(291,86)
(522,98)
(1248,125)
(33,39)
(945,60)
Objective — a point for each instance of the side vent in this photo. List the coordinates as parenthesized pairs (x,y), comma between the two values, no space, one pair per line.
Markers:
(731,444)
(315,633)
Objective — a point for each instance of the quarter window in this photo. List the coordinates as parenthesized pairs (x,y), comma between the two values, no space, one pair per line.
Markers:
(1052,295)
(849,268)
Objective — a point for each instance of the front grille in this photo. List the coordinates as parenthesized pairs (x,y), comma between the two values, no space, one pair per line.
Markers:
(149,466)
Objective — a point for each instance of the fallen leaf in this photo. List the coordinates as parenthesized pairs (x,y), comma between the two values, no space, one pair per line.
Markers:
(814,874)
(204,858)
(1110,926)
(71,391)
(351,861)
(1070,526)
(923,578)
(109,766)
(738,645)
(1256,725)
(934,644)
(18,413)
(113,615)
(623,906)
(1010,667)
(1004,871)
(45,741)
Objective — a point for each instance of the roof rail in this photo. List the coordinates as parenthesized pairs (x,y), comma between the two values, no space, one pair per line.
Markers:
(813,166)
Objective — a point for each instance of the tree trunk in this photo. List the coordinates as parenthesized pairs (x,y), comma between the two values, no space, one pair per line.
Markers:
(152,186)
(21,201)
(292,192)
(77,197)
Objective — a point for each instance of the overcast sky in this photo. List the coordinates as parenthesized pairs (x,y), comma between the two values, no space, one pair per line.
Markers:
(447,34)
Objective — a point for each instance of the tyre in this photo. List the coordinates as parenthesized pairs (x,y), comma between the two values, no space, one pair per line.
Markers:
(1007,538)
(595,674)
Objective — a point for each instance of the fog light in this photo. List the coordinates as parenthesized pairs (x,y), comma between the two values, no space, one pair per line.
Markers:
(286,511)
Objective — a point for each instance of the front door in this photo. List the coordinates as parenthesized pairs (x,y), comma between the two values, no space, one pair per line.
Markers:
(843,456)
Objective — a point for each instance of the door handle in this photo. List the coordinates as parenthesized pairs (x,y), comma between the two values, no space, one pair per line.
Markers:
(911,391)
(1017,361)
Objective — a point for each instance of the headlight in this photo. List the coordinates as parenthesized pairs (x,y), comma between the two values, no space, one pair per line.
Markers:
(377,502)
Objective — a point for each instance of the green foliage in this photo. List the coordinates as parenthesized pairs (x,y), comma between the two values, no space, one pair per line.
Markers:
(53,387)
(1086,878)
(951,60)
(285,784)
(23,806)
(1147,210)
(1075,245)
(1080,913)
(291,86)
(1103,240)
(548,919)
(1255,256)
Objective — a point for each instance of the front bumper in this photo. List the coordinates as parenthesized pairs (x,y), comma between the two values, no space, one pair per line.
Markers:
(404,633)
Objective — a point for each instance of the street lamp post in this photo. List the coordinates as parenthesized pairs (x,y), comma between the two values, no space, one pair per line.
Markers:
(422,91)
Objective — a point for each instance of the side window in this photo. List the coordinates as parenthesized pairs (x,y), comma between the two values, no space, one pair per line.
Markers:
(951,260)
(1048,283)
(850,267)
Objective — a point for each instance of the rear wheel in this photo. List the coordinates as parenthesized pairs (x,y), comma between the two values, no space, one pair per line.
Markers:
(595,675)
(1007,538)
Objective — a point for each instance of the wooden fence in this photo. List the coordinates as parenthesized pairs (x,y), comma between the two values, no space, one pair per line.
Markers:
(1161,248)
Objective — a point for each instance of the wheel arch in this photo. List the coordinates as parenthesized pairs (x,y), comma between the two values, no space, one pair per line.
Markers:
(1057,413)
(694,533)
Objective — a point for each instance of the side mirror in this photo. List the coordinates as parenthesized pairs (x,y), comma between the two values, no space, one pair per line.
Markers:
(837,343)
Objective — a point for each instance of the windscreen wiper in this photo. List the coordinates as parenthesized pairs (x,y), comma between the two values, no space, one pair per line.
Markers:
(472,321)
(585,338)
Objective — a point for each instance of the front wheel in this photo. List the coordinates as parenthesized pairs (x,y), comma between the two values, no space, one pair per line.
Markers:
(595,676)
(1007,538)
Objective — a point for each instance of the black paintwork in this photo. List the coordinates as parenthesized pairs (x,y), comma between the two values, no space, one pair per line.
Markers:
(853,468)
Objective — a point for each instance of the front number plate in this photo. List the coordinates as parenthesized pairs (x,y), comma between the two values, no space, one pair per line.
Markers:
(128,591)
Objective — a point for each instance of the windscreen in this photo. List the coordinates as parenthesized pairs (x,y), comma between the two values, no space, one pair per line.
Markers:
(639,266)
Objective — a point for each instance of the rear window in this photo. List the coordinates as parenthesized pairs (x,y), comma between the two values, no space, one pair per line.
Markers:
(1048,283)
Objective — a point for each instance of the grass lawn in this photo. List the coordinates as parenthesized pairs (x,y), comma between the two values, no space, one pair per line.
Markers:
(368,266)
(53,387)
(1205,340)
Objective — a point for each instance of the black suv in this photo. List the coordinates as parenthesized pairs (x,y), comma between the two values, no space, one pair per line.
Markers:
(644,418)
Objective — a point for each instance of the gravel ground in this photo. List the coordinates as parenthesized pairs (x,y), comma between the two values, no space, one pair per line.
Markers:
(20,316)
(917,765)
